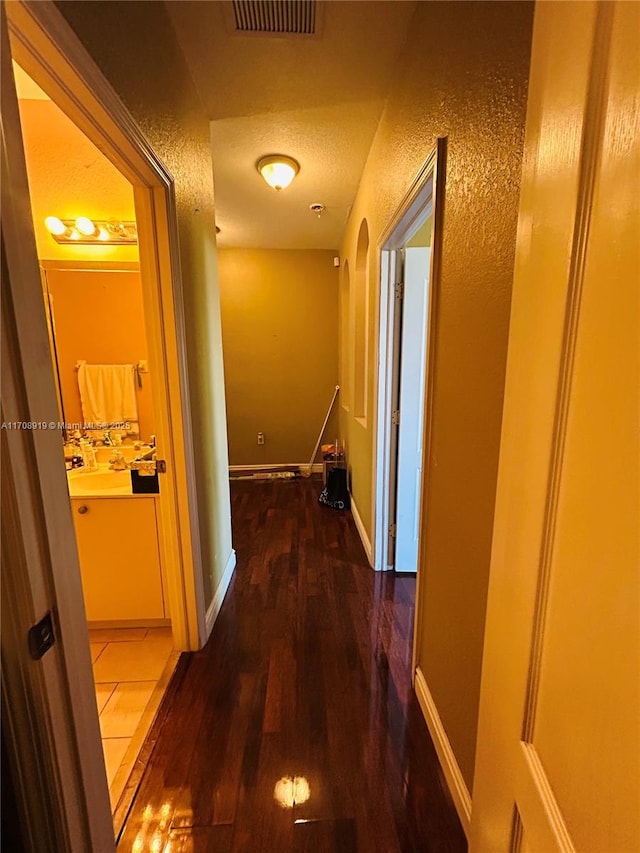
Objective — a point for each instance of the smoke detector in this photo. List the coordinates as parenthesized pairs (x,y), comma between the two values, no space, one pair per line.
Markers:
(317,208)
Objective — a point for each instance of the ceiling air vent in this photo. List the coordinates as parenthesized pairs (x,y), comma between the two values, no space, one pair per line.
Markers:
(285,17)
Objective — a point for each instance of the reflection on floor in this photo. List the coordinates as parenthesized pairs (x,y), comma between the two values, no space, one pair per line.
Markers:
(131,667)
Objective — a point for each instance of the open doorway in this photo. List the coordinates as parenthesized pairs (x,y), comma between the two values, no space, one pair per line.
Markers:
(95,308)
(406,318)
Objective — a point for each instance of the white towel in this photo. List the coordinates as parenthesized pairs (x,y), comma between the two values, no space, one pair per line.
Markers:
(108,394)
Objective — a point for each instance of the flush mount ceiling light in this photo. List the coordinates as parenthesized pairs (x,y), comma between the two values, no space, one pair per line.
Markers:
(278,170)
(91,232)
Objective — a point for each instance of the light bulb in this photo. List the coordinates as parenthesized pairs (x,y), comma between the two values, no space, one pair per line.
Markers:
(116,227)
(55,226)
(278,170)
(75,235)
(103,234)
(278,175)
(85,226)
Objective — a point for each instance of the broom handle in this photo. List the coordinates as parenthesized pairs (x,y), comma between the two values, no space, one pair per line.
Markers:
(324,426)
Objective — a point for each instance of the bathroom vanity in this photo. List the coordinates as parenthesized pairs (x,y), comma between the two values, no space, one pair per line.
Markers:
(118,548)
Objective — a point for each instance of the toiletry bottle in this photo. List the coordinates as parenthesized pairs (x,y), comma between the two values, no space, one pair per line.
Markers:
(89,457)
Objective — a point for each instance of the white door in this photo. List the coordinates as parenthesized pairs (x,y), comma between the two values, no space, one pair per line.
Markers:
(558,757)
(412,381)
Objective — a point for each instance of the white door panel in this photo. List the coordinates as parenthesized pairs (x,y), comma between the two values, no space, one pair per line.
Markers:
(412,377)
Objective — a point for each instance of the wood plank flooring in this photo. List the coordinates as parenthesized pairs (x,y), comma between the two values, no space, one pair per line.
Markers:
(296,728)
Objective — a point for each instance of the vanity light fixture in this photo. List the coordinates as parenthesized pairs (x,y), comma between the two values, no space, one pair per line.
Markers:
(278,170)
(89,232)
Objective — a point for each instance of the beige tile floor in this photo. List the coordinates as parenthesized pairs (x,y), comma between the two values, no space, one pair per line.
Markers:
(128,664)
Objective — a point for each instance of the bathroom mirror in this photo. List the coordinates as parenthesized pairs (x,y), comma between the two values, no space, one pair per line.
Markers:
(95,315)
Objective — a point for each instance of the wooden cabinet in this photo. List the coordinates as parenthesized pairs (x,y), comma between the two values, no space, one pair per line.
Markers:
(119,558)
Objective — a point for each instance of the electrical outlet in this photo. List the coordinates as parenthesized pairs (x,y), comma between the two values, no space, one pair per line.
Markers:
(260,438)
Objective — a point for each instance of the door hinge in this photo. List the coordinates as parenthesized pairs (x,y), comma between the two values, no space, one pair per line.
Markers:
(393,529)
(400,290)
(161,466)
(395,418)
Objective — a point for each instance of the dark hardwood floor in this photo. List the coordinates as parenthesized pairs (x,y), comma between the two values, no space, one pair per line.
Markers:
(302,694)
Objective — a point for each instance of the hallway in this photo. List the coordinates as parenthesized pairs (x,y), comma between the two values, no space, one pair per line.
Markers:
(306,677)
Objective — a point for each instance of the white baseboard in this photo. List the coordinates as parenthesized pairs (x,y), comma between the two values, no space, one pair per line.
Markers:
(450,767)
(218,598)
(316,468)
(366,542)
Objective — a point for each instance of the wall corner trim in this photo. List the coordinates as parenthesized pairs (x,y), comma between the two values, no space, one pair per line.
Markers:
(366,542)
(214,608)
(450,767)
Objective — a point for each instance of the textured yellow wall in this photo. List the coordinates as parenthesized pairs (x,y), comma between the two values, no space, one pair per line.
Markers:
(280,332)
(464,75)
(136,49)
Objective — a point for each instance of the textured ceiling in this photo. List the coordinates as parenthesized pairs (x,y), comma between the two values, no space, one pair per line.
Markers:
(317,99)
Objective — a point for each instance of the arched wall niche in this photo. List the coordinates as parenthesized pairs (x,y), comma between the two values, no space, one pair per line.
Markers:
(345,338)
(360,323)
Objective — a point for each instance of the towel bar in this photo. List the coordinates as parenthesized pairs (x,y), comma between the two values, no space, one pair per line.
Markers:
(140,366)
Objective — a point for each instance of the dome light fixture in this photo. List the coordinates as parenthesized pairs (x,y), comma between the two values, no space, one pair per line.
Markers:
(278,170)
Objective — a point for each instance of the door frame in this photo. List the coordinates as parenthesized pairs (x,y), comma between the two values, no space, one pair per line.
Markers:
(44,45)
(426,189)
